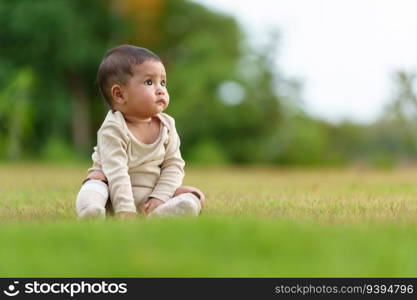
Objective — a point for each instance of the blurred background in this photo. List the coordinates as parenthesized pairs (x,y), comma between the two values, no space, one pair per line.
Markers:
(304,83)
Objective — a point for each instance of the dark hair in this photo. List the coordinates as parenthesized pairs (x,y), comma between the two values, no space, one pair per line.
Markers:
(116,67)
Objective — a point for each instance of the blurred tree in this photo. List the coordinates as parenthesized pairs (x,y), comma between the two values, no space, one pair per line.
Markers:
(224,94)
(16,115)
(404,101)
(401,112)
(397,128)
(303,141)
(62,42)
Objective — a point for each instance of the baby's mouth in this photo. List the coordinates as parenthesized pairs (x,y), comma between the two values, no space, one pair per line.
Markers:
(163,101)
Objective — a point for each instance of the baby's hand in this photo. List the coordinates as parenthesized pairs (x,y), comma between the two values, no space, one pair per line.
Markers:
(125,215)
(150,205)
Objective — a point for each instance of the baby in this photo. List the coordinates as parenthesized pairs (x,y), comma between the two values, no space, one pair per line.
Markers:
(137,160)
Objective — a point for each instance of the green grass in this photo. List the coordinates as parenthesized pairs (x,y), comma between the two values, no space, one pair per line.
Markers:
(258,222)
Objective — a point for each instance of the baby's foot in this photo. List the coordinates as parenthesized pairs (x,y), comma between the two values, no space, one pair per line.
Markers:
(182,205)
(92,212)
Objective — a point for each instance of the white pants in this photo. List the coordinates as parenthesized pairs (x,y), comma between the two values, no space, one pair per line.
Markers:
(92,199)
(94,195)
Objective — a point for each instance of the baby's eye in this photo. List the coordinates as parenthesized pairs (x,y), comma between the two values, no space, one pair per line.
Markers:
(163,83)
(148,82)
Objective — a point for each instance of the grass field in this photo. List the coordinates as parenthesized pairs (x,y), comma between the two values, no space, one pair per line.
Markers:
(258,222)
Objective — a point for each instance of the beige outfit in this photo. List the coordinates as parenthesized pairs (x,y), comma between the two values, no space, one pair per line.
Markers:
(136,171)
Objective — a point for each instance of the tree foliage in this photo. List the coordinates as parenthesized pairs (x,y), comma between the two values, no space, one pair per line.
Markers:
(230,102)
(64,41)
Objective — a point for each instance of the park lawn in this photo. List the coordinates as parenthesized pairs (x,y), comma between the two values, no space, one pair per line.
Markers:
(257,222)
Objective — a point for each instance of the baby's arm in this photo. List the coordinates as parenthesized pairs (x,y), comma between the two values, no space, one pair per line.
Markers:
(172,169)
(112,147)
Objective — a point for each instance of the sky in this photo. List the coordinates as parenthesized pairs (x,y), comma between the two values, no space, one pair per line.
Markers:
(344,51)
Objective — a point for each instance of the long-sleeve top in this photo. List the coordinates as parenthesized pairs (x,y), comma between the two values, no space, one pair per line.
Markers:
(128,163)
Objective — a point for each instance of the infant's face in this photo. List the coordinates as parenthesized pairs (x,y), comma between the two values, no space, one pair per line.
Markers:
(146,91)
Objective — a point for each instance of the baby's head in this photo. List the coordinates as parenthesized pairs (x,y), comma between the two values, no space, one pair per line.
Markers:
(132,80)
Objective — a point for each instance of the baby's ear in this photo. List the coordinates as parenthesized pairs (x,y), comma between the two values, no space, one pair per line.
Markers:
(117,93)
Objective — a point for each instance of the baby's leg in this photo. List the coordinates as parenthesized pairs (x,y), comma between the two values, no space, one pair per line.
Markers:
(187,201)
(92,197)
(191,189)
